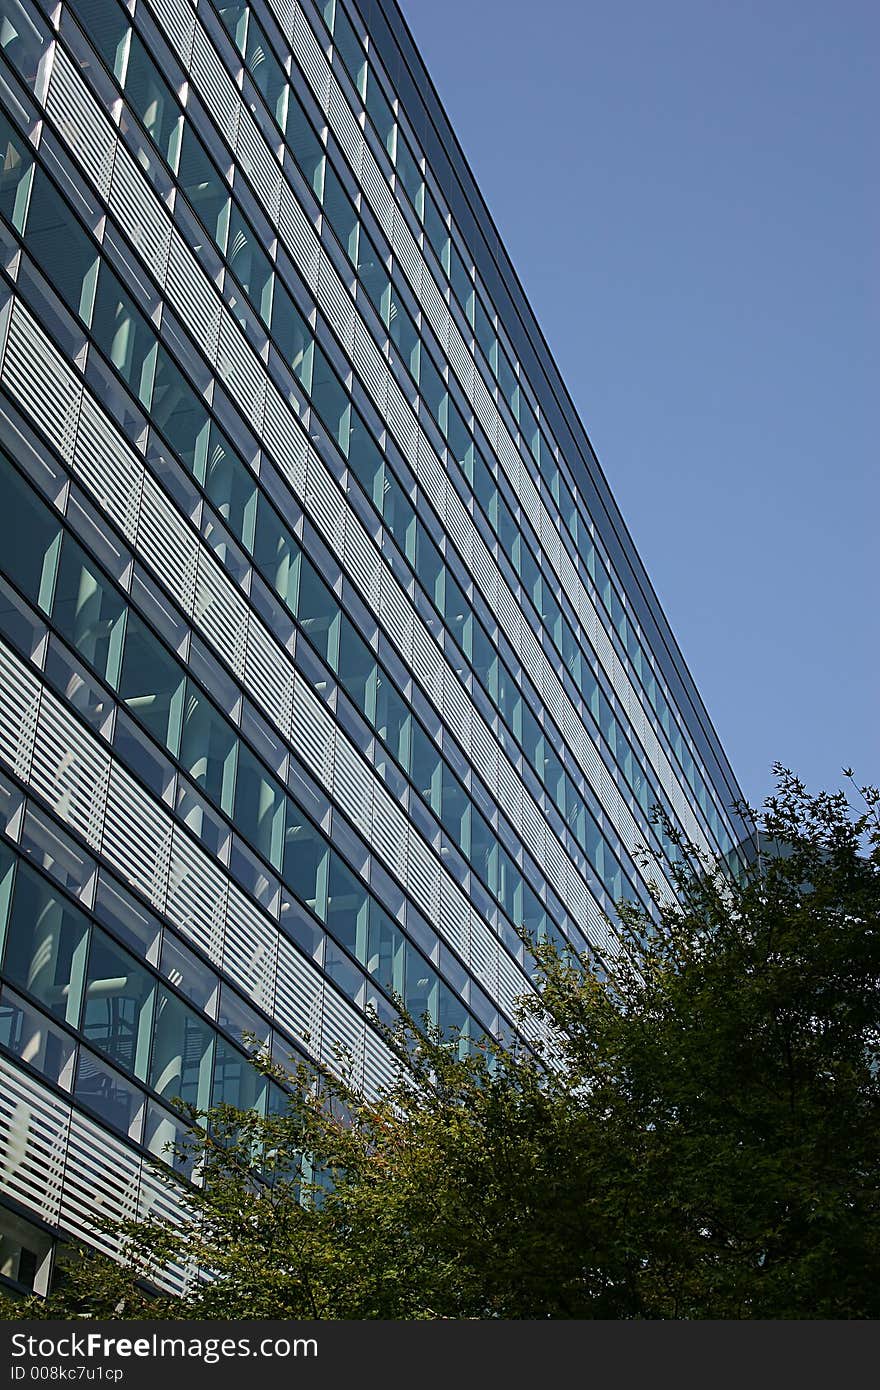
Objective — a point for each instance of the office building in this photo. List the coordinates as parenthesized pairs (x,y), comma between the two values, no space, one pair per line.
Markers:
(326,659)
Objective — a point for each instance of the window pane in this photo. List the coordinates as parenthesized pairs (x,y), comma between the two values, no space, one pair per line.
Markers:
(61,247)
(231,487)
(127,917)
(452,1016)
(398,514)
(427,768)
(365,460)
(436,230)
(182,1052)
(455,811)
(23,40)
(16,165)
(88,612)
(385,950)
(276,553)
(429,566)
(292,334)
(259,807)
(318,613)
(190,975)
(266,71)
(306,856)
(349,47)
(152,101)
(118,1006)
(208,748)
(373,275)
(347,908)
(404,335)
(152,684)
(28,1034)
(46,946)
(340,214)
(236,1082)
(249,263)
(458,614)
(420,991)
(30,535)
(106,28)
(408,172)
(380,113)
(124,335)
(343,971)
(234,14)
(118,1102)
(483,848)
(180,414)
(331,400)
(393,720)
(307,148)
(357,668)
(203,186)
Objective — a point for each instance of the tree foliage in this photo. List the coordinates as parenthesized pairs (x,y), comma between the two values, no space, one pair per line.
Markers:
(703,1141)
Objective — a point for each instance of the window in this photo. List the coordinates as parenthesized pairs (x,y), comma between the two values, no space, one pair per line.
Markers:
(208,748)
(408,173)
(380,113)
(231,487)
(403,333)
(307,148)
(276,553)
(385,950)
(455,811)
(236,1082)
(30,537)
(152,102)
(306,859)
(249,263)
(349,48)
(194,979)
(266,71)
(107,31)
(180,414)
(117,1101)
(28,1034)
(357,668)
(203,186)
(88,612)
(340,214)
(46,946)
(16,169)
(427,768)
(420,985)
(182,1052)
(365,460)
(118,1005)
(347,908)
(152,684)
(124,336)
(318,613)
(61,247)
(393,721)
(25,44)
(293,336)
(259,807)
(330,400)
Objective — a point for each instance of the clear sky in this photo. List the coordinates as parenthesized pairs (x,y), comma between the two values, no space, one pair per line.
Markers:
(689,193)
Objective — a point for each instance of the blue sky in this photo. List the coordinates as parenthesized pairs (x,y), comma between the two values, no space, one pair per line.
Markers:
(689,194)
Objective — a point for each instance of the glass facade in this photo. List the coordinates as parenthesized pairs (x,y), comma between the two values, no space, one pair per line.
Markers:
(326,660)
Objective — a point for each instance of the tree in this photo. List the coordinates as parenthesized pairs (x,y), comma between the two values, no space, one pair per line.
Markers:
(702,1142)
